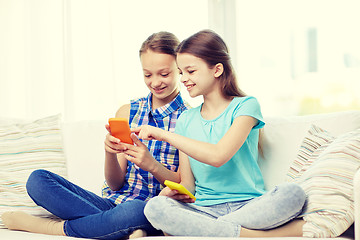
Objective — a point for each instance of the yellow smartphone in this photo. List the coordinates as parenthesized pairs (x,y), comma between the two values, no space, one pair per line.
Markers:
(119,128)
(180,188)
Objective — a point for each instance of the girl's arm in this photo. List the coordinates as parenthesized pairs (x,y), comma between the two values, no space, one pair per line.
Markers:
(213,154)
(187,180)
(187,177)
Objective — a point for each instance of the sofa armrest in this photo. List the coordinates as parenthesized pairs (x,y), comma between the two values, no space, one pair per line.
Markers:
(357,204)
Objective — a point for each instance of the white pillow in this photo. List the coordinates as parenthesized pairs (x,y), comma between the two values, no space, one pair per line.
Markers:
(326,174)
(312,145)
(25,147)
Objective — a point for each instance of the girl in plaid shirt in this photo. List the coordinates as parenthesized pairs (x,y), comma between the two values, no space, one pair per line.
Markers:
(132,178)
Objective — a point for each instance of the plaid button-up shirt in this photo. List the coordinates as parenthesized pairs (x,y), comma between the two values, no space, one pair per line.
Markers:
(140,184)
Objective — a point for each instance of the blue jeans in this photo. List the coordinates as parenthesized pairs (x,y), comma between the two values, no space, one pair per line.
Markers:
(270,210)
(87,215)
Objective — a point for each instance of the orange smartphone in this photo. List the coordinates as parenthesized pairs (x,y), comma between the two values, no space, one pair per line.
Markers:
(119,128)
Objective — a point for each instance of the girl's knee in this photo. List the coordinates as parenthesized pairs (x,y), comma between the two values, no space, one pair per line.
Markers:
(293,193)
(137,204)
(35,178)
(156,208)
(296,191)
(35,182)
(153,206)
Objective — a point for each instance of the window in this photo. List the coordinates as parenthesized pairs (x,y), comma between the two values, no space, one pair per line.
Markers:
(299,57)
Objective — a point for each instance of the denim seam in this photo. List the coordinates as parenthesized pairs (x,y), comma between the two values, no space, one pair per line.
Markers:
(237,231)
(64,228)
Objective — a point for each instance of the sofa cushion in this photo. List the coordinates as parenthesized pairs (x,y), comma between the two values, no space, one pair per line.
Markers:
(327,178)
(26,146)
(317,140)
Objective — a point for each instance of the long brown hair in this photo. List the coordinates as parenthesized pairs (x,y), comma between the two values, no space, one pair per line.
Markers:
(210,47)
(160,42)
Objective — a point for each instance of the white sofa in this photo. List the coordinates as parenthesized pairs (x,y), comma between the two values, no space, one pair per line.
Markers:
(282,136)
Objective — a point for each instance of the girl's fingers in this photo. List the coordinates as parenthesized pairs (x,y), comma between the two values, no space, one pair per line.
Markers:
(135,130)
(115,146)
(167,192)
(131,158)
(136,140)
(111,150)
(180,197)
(114,139)
(188,200)
(130,152)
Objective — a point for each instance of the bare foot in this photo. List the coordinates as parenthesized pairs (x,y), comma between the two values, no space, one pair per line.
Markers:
(138,234)
(25,222)
(16,220)
(291,229)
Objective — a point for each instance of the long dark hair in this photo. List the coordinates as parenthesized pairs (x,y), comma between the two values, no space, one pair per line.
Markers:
(160,42)
(210,47)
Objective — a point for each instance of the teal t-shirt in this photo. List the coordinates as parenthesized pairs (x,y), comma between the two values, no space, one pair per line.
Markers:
(238,179)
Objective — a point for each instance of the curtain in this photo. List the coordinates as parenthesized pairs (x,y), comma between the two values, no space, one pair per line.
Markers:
(31,57)
(80,57)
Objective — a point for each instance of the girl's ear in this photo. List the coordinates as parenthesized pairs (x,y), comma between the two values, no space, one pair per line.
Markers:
(219,69)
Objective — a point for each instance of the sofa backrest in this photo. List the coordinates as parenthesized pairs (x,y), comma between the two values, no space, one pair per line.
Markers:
(85,154)
(280,141)
(282,137)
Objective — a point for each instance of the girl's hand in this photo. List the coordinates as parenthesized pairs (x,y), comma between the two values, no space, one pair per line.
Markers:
(112,144)
(175,195)
(148,132)
(140,155)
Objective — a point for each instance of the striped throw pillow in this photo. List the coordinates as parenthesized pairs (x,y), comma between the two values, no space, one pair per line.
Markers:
(316,140)
(25,147)
(328,183)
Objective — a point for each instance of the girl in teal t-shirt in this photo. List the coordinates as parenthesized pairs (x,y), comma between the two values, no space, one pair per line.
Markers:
(239,178)
(218,145)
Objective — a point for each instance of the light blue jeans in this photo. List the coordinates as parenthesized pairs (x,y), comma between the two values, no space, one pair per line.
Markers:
(274,208)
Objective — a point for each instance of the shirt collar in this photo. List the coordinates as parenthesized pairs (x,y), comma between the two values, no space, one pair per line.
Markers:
(165,110)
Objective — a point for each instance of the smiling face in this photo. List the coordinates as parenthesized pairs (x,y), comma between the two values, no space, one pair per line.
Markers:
(161,76)
(197,77)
